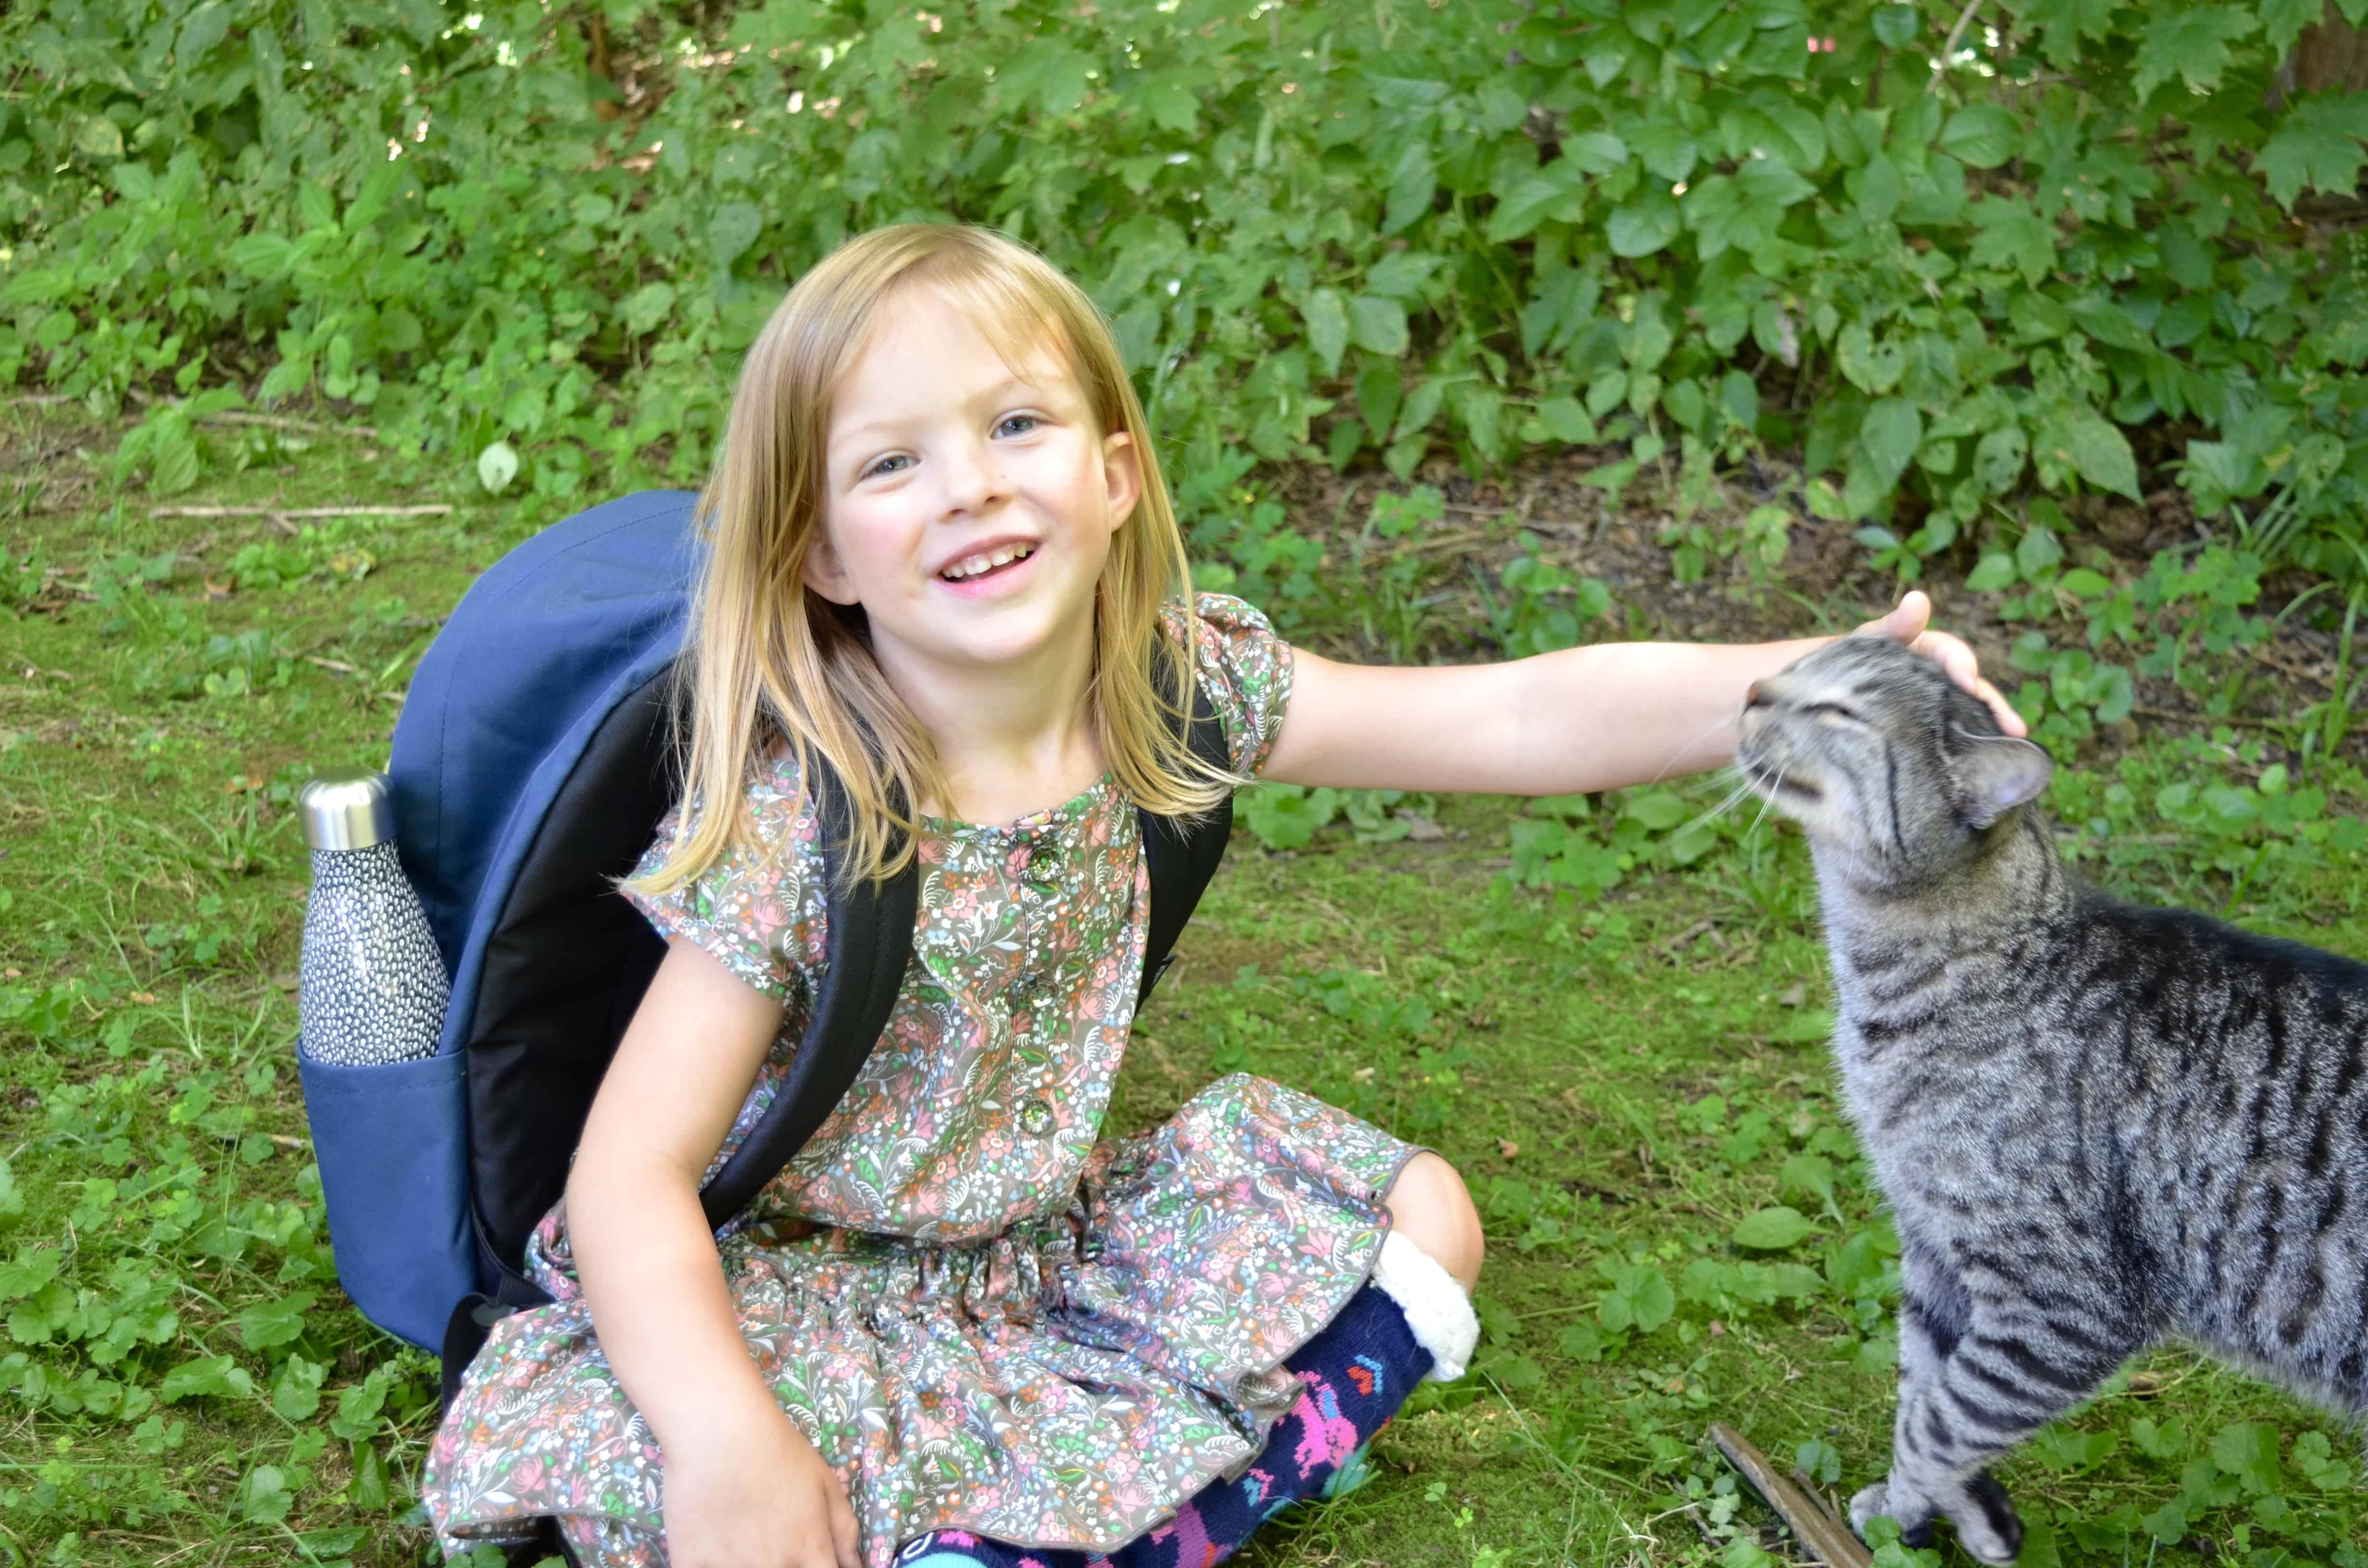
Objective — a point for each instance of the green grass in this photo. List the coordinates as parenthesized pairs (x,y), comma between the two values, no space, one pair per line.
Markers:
(1624,1081)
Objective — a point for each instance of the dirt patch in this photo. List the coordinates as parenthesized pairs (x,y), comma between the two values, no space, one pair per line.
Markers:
(1824,581)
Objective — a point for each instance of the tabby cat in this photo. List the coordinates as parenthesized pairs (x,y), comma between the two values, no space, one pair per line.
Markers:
(2097,1124)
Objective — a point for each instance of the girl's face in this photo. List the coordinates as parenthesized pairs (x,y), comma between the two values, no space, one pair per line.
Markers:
(969,502)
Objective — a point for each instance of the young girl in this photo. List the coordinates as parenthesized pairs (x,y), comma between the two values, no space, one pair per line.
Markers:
(959,1328)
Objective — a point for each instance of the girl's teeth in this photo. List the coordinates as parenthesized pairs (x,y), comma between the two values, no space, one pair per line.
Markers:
(979,564)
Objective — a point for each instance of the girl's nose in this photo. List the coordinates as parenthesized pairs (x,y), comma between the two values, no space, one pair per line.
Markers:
(971,480)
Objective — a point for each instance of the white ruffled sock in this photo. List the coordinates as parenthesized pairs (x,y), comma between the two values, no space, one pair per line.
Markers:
(1436,1308)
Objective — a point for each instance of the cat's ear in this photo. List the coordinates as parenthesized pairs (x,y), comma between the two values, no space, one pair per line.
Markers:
(1995,776)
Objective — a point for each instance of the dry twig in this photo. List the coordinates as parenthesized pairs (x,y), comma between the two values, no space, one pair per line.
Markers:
(1703,927)
(2203,720)
(1950,46)
(288,422)
(1827,1538)
(277,512)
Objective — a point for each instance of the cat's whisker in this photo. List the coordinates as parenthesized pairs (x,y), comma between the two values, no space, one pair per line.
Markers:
(1720,810)
(1765,801)
(1689,744)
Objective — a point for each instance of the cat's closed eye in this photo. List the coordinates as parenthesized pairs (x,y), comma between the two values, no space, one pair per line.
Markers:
(1833,712)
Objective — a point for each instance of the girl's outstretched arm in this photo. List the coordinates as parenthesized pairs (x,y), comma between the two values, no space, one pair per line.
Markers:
(742,1488)
(1567,723)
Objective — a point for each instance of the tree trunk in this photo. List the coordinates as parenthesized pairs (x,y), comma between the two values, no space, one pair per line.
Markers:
(2331,56)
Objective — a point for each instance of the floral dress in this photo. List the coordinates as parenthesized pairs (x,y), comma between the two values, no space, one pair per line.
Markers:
(982,1315)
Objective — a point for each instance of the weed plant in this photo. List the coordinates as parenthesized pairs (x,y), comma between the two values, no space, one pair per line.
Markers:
(1953,257)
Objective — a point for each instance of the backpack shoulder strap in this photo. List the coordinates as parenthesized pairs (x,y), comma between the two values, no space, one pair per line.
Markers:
(1182,852)
(867,942)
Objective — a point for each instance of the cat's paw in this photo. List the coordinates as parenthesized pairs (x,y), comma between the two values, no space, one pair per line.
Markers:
(1987,1527)
(1875,1501)
(1986,1524)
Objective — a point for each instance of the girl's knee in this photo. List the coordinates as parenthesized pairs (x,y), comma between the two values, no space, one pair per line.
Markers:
(1430,1206)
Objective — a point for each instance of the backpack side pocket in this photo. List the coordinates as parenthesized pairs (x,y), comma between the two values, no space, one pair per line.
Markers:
(392,1143)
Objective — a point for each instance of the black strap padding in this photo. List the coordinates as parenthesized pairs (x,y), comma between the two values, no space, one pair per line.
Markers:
(867,944)
(565,967)
(1183,855)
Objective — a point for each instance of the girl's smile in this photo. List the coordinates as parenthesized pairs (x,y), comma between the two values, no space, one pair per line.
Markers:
(990,569)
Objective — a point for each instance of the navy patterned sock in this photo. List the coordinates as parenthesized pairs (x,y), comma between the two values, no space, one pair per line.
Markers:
(1353,1376)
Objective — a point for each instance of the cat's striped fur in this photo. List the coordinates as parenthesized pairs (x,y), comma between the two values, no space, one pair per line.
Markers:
(2096,1124)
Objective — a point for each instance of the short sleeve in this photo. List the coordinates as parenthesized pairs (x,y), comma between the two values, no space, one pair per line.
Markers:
(1246,669)
(756,909)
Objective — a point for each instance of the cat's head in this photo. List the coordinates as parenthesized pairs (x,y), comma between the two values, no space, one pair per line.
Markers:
(1883,760)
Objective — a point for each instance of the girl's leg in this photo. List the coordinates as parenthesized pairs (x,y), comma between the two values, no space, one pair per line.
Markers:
(1413,1320)
(1429,1206)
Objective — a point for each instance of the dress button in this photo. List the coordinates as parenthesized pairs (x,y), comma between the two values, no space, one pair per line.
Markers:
(1036,1119)
(1044,868)
(1028,987)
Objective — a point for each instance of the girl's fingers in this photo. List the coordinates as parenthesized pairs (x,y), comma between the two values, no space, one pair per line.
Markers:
(2008,720)
(1908,619)
(1913,614)
(1910,622)
(843,1536)
(1956,658)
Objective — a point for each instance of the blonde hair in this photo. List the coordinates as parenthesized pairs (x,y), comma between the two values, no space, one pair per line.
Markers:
(767,659)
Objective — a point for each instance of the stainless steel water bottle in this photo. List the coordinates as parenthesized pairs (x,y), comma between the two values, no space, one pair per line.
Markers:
(372,988)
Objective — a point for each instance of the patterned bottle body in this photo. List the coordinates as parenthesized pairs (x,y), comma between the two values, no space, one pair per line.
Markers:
(373,989)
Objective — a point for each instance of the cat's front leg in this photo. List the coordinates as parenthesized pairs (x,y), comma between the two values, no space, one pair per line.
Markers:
(1933,1312)
(2018,1365)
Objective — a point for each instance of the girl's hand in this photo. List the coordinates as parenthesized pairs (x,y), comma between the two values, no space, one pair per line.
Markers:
(756,1495)
(1910,624)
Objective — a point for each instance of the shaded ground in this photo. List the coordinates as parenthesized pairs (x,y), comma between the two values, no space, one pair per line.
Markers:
(1824,581)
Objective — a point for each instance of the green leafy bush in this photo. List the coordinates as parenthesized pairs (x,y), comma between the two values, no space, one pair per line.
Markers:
(1948,262)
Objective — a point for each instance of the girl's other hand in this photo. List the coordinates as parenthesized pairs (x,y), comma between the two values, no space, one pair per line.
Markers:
(756,1495)
(1910,623)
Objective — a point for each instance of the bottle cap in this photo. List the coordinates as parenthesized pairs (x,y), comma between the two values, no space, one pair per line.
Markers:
(349,809)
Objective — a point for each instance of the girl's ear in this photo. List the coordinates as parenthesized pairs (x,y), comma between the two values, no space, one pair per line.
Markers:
(822,572)
(1123,476)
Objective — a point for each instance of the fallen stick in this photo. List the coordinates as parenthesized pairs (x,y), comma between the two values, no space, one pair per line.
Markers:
(1668,950)
(275,512)
(288,422)
(1828,1539)
(2239,721)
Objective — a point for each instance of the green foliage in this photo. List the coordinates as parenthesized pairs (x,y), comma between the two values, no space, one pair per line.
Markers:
(1589,845)
(1289,816)
(1320,231)
(2208,822)
(1544,607)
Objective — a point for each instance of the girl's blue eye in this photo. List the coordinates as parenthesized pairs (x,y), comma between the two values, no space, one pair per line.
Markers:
(1028,421)
(882,466)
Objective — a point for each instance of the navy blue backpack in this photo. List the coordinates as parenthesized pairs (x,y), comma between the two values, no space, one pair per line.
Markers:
(532,764)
